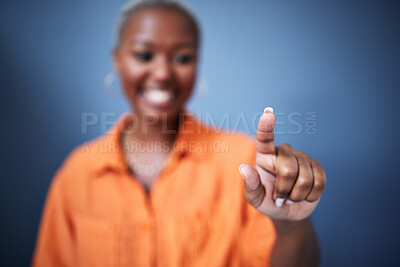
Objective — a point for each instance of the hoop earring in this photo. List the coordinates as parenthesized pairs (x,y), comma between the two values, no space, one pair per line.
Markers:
(108,81)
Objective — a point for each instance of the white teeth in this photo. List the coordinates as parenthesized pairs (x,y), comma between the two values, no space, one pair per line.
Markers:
(158,96)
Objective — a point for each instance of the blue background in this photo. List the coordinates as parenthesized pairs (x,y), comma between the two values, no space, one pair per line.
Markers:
(339,59)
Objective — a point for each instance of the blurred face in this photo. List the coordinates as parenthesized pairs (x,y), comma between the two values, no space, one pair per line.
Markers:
(156,61)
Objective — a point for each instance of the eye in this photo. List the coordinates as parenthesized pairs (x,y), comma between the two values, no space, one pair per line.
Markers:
(143,56)
(183,59)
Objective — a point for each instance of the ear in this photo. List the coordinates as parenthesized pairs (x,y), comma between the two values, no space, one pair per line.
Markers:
(116,56)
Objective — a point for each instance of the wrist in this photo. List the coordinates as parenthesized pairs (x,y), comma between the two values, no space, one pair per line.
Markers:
(287,227)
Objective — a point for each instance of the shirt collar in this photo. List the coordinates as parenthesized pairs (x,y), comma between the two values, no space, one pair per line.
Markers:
(191,141)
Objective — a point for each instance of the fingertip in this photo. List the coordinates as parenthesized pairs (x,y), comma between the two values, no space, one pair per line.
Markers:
(250,176)
(268,110)
(289,202)
(279,202)
(267,122)
(240,170)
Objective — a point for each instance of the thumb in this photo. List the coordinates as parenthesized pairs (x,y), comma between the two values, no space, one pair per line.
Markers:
(254,190)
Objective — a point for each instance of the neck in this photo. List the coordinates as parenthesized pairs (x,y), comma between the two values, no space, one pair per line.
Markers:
(154,129)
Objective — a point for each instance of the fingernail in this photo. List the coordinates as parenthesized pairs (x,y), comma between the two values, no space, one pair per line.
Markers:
(240,170)
(279,202)
(268,109)
(289,202)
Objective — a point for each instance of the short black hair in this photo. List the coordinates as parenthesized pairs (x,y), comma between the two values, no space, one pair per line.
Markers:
(133,7)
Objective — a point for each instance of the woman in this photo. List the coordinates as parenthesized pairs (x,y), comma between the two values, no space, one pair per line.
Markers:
(163,189)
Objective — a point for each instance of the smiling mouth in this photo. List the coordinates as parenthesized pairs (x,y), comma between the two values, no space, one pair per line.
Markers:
(160,97)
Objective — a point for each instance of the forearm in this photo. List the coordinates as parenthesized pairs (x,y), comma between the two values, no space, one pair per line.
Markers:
(296,244)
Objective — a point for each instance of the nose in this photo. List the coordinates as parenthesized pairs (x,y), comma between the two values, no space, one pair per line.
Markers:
(162,70)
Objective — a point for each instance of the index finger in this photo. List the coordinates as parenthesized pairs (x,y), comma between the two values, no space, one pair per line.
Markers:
(265,141)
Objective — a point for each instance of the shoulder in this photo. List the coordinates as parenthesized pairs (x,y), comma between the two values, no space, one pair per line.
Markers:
(74,180)
(83,161)
(86,155)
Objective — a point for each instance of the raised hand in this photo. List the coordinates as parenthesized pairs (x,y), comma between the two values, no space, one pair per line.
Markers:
(286,184)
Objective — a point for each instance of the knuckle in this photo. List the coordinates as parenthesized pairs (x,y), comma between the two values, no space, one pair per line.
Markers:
(301,154)
(288,173)
(319,169)
(304,159)
(304,183)
(264,138)
(319,186)
(254,199)
(312,198)
(286,146)
(316,164)
(296,198)
(323,175)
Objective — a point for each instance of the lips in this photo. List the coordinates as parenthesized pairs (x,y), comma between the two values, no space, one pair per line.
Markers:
(160,97)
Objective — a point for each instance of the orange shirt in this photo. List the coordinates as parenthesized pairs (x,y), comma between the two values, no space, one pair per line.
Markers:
(98,214)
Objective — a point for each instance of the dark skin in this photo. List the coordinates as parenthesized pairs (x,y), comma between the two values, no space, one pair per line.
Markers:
(159,48)
(285,173)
